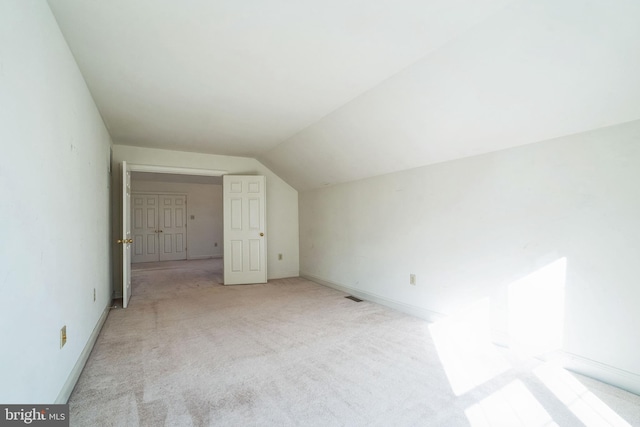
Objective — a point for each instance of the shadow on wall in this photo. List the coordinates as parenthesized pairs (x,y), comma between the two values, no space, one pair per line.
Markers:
(528,317)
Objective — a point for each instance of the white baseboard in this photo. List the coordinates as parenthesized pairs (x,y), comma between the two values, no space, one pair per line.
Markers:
(205,256)
(414,310)
(607,374)
(65,393)
(282,274)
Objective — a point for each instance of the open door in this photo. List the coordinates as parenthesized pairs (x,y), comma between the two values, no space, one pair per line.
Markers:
(245,245)
(126,240)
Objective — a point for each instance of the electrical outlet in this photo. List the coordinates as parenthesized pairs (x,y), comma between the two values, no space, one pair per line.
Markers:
(63,336)
(412,279)
(94,294)
(279,257)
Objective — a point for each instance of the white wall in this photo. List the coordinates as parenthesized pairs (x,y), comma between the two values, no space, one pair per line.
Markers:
(204,203)
(54,206)
(282,201)
(469,228)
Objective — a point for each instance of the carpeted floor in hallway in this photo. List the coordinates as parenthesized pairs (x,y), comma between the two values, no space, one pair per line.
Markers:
(190,351)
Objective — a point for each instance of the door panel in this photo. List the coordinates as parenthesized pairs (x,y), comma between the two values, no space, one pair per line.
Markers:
(244,230)
(167,245)
(254,255)
(254,214)
(236,256)
(152,247)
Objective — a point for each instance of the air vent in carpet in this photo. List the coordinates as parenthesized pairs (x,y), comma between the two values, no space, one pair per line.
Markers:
(351,297)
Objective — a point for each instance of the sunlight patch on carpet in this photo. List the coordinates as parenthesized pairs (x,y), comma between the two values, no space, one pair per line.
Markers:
(465,348)
(584,404)
(512,405)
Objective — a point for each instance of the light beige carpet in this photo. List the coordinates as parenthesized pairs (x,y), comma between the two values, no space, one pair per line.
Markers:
(189,351)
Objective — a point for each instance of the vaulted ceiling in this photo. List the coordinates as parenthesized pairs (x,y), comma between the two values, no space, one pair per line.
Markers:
(336,90)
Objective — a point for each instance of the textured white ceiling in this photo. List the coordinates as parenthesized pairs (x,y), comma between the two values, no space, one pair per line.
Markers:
(330,91)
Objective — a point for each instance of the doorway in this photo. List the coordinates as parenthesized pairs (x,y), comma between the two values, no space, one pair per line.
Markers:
(158,174)
(178,175)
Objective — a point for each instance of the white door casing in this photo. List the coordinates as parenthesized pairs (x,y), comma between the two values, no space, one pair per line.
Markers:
(126,235)
(245,244)
(159,227)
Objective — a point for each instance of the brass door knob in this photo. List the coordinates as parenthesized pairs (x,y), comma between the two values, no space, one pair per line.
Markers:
(261,234)
(120,241)
(130,241)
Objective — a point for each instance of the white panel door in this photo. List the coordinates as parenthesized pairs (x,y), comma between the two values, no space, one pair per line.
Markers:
(172,218)
(245,245)
(159,227)
(126,240)
(144,218)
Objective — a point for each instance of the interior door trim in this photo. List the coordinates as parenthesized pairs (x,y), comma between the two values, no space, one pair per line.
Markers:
(176,171)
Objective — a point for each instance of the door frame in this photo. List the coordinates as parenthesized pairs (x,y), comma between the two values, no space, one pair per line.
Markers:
(175,170)
(168,170)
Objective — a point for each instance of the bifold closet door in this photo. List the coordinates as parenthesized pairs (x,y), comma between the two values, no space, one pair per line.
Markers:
(159,227)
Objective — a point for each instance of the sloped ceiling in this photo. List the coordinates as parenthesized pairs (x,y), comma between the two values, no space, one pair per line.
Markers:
(330,91)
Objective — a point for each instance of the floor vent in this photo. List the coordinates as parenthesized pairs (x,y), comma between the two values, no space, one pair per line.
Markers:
(351,297)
